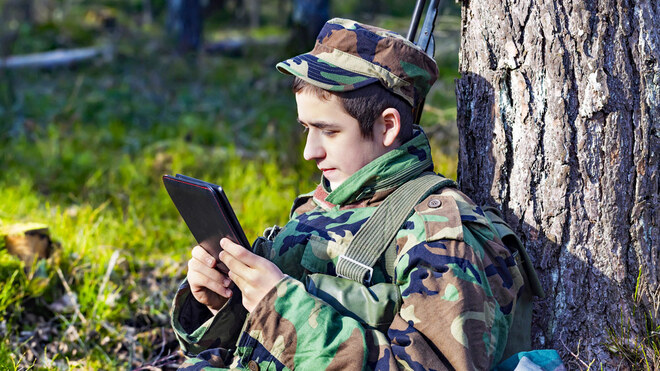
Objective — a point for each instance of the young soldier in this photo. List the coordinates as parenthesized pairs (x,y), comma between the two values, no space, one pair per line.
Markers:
(439,298)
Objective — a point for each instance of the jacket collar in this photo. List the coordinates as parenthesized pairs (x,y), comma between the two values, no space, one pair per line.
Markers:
(383,174)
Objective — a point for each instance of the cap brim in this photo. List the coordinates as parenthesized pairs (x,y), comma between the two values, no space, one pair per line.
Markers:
(323,74)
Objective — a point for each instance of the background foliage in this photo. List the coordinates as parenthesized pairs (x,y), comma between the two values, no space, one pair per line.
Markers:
(84,148)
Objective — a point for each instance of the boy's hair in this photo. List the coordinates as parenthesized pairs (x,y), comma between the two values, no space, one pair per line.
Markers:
(366,104)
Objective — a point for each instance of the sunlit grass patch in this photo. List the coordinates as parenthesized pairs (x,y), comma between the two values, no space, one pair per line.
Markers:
(122,245)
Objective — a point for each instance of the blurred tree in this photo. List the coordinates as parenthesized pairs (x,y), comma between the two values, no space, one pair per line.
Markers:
(147,12)
(185,18)
(13,13)
(184,24)
(254,11)
(307,18)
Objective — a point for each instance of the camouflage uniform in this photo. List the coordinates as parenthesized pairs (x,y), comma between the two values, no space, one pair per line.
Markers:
(453,298)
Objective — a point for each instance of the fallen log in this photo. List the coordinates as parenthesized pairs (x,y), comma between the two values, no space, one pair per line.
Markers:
(236,46)
(56,58)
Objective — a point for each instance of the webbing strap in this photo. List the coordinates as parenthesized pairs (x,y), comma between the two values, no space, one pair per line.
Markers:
(381,228)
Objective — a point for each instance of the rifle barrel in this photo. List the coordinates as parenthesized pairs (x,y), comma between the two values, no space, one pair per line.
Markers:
(428,26)
(417,15)
(425,40)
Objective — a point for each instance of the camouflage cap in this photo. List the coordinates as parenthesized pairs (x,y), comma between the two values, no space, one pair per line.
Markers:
(349,55)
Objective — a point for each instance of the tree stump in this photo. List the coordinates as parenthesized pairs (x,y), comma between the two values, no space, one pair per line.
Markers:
(28,241)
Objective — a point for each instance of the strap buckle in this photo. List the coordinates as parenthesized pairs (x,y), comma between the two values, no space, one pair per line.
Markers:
(369,269)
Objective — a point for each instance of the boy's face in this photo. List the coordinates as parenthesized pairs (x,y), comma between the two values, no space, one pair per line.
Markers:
(334,140)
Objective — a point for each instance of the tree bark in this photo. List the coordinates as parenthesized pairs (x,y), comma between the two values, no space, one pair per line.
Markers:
(558,116)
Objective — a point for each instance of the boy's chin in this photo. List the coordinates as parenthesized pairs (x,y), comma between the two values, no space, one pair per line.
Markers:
(333,177)
(334,184)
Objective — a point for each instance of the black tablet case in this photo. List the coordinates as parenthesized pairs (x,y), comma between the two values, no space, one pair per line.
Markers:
(207,212)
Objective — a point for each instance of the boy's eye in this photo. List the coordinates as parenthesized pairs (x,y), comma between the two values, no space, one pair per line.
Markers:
(329,132)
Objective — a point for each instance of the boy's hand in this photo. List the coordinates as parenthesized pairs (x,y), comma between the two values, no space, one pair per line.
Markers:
(255,276)
(208,285)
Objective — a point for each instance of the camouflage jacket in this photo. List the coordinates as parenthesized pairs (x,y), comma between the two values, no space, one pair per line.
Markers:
(456,294)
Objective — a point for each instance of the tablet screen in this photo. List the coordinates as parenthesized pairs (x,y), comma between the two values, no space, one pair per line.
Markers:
(207,212)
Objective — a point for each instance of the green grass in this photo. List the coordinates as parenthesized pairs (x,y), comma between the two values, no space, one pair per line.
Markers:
(88,163)
(641,349)
(124,209)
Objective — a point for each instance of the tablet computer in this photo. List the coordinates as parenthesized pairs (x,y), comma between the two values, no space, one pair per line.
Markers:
(207,212)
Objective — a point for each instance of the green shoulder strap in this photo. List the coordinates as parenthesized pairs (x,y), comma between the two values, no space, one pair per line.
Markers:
(378,232)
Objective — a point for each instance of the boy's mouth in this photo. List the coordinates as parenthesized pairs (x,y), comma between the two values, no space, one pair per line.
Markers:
(327,170)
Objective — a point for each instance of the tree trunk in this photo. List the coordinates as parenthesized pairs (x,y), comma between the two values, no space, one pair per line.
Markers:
(185,24)
(558,117)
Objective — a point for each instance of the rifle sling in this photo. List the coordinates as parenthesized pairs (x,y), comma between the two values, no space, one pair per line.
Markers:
(378,232)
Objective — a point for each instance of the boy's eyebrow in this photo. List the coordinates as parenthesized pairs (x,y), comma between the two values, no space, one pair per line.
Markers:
(319,124)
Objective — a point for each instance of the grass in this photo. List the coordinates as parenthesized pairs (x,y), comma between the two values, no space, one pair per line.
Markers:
(636,348)
(122,210)
(642,352)
(83,151)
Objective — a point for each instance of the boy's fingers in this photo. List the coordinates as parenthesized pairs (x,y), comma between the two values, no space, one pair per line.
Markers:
(211,274)
(235,265)
(202,255)
(200,280)
(238,252)
(239,281)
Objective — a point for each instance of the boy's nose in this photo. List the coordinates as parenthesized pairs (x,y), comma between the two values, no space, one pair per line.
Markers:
(313,149)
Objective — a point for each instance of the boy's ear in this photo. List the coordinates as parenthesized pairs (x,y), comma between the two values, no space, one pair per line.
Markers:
(391,126)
